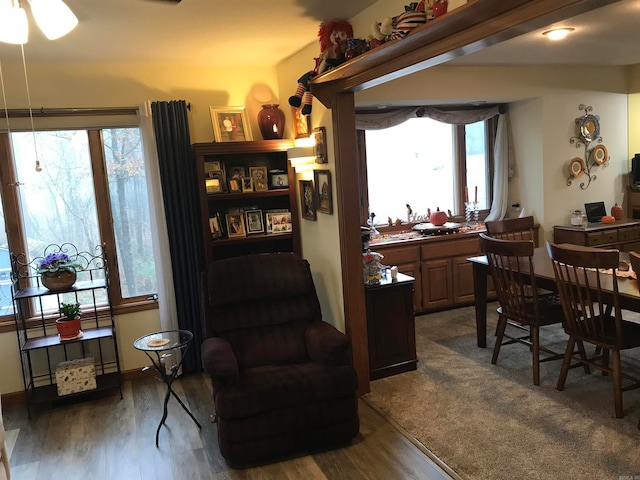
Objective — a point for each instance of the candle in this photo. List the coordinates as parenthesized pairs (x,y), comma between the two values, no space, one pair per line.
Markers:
(466,194)
(476,200)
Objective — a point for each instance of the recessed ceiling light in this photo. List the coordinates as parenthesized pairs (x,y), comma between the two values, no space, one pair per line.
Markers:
(558,33)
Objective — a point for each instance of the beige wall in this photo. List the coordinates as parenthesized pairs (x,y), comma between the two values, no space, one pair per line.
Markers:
(77,86)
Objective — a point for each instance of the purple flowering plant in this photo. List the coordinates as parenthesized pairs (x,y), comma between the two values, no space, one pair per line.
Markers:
(57,262)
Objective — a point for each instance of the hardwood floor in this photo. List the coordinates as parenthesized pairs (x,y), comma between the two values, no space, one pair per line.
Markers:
(112,439)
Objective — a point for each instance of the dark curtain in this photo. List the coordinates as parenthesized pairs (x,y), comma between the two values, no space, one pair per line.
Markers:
(182,206)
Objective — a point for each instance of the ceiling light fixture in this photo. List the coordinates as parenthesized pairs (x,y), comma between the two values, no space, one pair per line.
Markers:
(558,33)
(54,18)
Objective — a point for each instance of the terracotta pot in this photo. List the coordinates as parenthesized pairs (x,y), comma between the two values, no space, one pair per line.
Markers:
(271,121)
(58,281)
(68,329)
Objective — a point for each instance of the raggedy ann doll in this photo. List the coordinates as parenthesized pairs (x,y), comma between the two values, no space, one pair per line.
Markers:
(333,43)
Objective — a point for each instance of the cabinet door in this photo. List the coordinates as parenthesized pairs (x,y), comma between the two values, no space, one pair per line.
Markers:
(436,284)
(462,280)
(413,270)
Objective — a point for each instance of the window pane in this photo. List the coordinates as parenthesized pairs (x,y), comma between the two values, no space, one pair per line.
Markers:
(411,163)
(477,163)
(130,210)
(58,203)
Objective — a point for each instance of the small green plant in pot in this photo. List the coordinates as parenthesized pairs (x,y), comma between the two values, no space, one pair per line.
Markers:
(69,323)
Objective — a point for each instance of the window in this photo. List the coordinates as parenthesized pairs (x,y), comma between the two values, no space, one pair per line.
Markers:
(426,164)
(91,189)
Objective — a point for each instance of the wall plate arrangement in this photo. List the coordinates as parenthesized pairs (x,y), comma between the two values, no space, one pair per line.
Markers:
(588,132)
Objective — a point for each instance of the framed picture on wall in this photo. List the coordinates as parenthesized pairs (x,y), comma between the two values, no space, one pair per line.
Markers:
(230,124)
(322,179)
(301,123)
(307,200)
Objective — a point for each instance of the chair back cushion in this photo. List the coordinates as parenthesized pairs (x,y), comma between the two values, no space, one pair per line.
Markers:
(261,304)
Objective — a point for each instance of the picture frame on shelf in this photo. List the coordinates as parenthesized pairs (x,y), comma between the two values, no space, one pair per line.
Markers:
(255,223)
(260,178)
(214,184)
(278,222)
(301,123)
(214,226)
(247,184)
(307,200)
(237,171)
(230,124)
(213,168)
(322,180)
(235,225)
(320,146)
(278,179)
(235,185)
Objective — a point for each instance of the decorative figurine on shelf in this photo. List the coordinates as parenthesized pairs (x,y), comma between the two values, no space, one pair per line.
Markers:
(392,28)
(333,45)
(372,268)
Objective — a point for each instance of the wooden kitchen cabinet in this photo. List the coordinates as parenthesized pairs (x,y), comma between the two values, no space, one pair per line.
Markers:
(437,284)
(622,234)
(407,259)
(391,326)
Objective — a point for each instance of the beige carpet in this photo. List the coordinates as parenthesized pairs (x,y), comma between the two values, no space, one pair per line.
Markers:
(490,422)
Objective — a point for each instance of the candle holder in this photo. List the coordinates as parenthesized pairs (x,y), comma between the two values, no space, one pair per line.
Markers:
(471,213)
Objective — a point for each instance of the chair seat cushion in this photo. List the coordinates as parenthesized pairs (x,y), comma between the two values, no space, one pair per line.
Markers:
(272,387)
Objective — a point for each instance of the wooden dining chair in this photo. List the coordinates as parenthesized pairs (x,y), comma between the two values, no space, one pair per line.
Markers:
(512,229)
(588,287)
(511,266)
(634,259)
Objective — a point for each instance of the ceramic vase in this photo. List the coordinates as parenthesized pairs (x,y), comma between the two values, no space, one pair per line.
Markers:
(271,121)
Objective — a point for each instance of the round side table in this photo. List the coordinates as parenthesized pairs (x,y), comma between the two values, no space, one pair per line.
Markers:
(156,345)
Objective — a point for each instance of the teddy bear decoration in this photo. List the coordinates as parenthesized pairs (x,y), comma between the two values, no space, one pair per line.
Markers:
(333,36)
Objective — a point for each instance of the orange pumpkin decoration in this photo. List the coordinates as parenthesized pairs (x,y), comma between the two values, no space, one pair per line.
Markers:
(617,212)
(438,218)
(608,219)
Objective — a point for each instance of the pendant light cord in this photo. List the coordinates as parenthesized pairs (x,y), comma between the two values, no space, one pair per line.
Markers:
(33,129)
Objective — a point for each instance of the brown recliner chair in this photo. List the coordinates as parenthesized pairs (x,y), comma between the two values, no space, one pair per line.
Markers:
(282,379)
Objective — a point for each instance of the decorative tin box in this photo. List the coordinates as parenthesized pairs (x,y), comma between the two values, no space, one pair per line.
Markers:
(75,376)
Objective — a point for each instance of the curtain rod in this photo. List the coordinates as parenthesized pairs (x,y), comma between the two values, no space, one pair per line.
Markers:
(65,112)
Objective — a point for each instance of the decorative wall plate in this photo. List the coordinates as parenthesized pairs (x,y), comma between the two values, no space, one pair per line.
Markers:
(590,127)
(576,167)
(600,154)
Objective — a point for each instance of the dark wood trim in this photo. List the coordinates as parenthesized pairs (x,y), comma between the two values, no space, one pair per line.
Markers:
(469,28)
(348,198)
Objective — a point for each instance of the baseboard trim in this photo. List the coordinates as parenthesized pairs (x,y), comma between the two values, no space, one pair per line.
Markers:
(14,398)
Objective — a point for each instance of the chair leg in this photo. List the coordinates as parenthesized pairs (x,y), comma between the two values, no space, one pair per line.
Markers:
(583,356)
(500,328)
(534,332)
(605,360)
(566,362)
(617,384)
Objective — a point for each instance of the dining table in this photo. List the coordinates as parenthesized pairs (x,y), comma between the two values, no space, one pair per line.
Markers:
(628,292)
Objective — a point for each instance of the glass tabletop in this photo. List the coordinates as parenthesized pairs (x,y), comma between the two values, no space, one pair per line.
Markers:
(165,340)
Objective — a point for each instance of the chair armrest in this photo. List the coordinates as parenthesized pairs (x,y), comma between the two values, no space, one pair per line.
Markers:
(218,359)
(327,345)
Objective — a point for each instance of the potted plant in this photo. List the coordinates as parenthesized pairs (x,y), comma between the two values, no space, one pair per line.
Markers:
(57,271)
(69,323)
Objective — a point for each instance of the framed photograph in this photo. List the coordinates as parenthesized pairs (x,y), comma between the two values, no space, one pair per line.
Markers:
(214,226)
(230,124)
(235,185)
(235,225)
(322,179)
(278,179)
(212,168)
(237,172)
(320,148)
(278,222)
(301,123)
(254,221)
(307,200)
(259,176)
(213,185)
(247,184)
